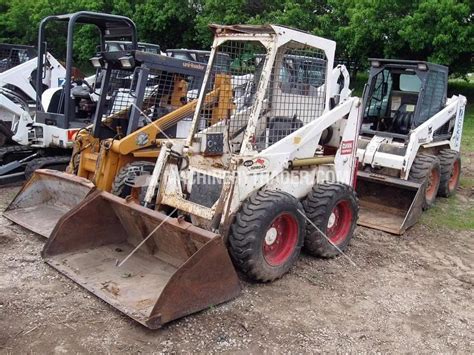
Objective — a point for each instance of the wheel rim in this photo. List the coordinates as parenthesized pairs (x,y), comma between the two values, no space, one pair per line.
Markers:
(433,183)
(453,180)
(339,222)
(280,239)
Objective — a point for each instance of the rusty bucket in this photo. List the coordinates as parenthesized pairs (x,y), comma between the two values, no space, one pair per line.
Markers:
(151,267)
(389,204)
(45,198)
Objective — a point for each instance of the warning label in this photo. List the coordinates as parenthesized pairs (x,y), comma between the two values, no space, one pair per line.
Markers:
(347,147)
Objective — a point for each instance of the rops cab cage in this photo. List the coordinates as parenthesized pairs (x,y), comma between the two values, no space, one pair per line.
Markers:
(402,95)
(110,27)
(12,55)
(409,145)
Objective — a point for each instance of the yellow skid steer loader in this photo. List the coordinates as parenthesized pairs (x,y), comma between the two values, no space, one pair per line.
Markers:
(145,102)
(273,174)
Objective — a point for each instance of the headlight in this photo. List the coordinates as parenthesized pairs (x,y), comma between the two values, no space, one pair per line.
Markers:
(127,62)
(422,66)
(375,63)
(97,62)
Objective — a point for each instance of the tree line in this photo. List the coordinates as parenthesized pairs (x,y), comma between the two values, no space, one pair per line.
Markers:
(436,30)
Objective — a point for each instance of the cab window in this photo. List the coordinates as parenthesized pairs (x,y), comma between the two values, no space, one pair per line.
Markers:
(410,82)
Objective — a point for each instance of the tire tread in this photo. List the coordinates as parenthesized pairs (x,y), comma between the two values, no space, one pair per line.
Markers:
(43,162)
(420,170)
(447,157)
(316,208)
(244,230)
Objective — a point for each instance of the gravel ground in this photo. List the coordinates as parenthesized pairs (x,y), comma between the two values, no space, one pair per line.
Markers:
(404,294)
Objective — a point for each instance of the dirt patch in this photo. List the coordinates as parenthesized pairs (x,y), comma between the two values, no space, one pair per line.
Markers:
(401,294)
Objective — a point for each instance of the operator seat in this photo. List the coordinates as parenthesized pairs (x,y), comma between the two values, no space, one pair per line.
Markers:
(277,128)
(402,120)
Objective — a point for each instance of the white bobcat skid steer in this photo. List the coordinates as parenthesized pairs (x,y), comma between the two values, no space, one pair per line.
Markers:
(18,87)
(258,180)
(408,150)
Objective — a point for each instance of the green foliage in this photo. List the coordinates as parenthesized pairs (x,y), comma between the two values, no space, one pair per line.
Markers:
(436,30)
(463,87)
(455,213)
(167,23)
(20,20)
(364,28)
(468,128)
(441,31)
(357,85)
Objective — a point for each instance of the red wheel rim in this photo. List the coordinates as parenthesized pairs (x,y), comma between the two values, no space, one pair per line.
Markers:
(280,239)
(453,180)
(339,223)
(433,183)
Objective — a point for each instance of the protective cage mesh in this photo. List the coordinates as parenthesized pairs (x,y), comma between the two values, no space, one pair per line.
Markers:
(11,57)
(296,93)
(434,95)
(231,88)
(294,96)
(164,92)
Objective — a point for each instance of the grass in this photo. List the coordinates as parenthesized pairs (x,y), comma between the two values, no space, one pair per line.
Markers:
(468,127)
(457,212)
(466,182)
(453,213)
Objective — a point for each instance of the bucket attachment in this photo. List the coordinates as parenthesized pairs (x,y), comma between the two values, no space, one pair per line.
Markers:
(43,199)
(387,203)
(152,267)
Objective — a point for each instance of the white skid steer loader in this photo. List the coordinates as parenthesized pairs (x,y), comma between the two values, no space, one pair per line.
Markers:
(18,85)
(275,174)
(408,150)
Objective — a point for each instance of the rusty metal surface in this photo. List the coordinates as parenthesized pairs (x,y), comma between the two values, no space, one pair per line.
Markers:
(179,270)
(220,30)
(44,198)
(388,204)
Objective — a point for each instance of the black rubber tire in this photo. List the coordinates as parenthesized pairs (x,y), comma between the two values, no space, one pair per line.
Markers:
(247,234)
(420,172)
(14,152)
(448,158)
(3,139)
(124,180)
(55,163)
(5,133)
(319,206)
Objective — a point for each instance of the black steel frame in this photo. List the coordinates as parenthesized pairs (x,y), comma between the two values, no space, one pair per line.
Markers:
(144,63)
(403,64)
(110,27)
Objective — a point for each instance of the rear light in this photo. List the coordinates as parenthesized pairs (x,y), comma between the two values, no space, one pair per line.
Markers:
(71,134)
